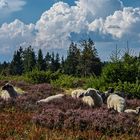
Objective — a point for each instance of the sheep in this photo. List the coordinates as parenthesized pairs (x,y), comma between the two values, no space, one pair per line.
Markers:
(133,111)
(8,91)
(94,94)
(116,102)
(78,93)
(51,98)
(88,100)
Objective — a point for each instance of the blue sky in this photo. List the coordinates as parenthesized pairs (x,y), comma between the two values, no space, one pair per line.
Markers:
(52,24)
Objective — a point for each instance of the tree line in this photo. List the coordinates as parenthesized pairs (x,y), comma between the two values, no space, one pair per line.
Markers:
(81,60)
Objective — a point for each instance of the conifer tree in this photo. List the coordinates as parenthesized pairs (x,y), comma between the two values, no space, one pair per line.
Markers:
(29,59)
(16,66)
(40,61)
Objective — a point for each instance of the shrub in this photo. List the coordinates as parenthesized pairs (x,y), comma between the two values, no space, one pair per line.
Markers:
(68,81)
(41,76)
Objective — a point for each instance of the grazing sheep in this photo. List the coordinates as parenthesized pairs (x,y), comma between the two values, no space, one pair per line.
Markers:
(116,102)
(78,93)
(51,98)
(94,94)
(133,111)
(88,100)
(9,91)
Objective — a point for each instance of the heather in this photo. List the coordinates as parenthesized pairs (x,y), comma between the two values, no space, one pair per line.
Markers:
(67,118)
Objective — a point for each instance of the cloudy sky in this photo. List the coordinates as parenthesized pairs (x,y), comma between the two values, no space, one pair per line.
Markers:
(53,24)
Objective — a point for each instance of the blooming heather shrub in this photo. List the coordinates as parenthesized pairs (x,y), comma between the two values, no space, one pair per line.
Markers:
(88,119)
(133,103)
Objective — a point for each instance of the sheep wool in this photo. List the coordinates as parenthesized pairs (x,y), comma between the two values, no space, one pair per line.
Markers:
(4,95)
(116,102)
(88,100)
(51,98)
(78,93)
(133,111)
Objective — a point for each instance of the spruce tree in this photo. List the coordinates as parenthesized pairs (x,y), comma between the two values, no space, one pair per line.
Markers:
(72,61)
(90,63)
(29,59)
(40,61)
(16,66)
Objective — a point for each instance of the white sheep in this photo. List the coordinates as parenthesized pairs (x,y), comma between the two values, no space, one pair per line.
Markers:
(94,94)
(133,111)
(116,102)
(88,100)
(78,93)
(51,98)
(8,91)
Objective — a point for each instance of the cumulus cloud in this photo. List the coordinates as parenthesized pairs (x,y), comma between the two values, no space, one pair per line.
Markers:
(121,25)
(104,18)
(15,34)
(100,8)
(10,6)
(56,25)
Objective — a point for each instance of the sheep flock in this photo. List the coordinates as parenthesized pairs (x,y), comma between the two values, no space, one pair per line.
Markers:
(91,97)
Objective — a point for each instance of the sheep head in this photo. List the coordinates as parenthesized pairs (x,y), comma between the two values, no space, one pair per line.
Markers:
(138,110)
(90,92)
(7,87)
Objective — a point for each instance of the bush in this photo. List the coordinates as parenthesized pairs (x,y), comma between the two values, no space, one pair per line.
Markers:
(41,76)
(67,81)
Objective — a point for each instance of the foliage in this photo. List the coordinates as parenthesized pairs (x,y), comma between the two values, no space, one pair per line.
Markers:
(67,81)
(41,76)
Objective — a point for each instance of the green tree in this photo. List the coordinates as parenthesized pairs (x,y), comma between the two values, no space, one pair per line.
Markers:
(48,61)
(72,60)
(40,61)
(16,66)
(57,62)
(29,59)
(90,63)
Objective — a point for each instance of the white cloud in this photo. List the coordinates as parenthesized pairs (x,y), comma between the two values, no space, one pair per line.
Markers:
(14,34)
(100,8)
(9,6)
(104,18)
(121,25)
(55,25)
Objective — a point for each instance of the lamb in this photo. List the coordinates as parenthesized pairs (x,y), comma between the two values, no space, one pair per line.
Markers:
(8,92)
(78,93)
(51,98)
(116,102)
(133,111)
(94,94)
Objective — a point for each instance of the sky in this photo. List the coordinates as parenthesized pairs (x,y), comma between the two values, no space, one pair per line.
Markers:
(52,24)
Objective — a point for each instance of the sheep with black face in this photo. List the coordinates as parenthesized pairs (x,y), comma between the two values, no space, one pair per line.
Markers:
(8,91)
(96,101)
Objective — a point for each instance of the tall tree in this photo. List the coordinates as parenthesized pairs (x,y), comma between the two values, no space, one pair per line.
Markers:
(90,63)
(72,60)
(16,66)
(57,62)
(48,61)
(40,61)
(29,59)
